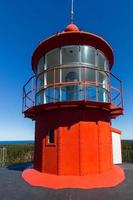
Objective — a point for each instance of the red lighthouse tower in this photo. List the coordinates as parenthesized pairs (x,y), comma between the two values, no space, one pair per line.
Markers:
(72,98)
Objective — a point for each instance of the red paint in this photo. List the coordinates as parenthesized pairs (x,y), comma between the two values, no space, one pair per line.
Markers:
(111,108)
(89,148)
(109,179)
(116,130)
(82,141)
(71,27)
(72,38)
(49,155)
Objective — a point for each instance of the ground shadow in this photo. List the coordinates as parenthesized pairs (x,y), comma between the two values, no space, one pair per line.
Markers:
(20,166)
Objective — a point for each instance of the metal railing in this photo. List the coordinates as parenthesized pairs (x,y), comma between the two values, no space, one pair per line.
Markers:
(52,92)
(3,156)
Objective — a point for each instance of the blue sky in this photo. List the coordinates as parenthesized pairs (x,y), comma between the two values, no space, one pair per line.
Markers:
(23,24)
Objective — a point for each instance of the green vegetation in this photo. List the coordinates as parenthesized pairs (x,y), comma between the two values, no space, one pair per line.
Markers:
(127,151)
(18,153)
(22,153)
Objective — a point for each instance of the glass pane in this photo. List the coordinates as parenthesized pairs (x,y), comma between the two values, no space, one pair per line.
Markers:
(90,75)
(81,92)
(40,98)
(49,76)
(88,55)
(40,66)
(72,92)
(106,96)
(100,61)
(71,74)
(49,94)
(91,92)
(57,94)
(57,75)
(53,58)
(106,65)
(103,95)
(103,80)
(40,82)
(63,93)
(70,54)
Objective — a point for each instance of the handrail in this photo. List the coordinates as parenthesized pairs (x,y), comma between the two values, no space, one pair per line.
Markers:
(30,89)
(29,80)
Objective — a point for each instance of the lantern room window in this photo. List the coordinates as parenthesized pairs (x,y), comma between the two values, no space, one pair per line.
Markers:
(40,82)
(73,73)
(88,55)
(71,54)
(39,98)
(53,58)
(41,65)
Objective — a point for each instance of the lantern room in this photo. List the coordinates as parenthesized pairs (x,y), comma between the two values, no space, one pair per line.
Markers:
(62,74)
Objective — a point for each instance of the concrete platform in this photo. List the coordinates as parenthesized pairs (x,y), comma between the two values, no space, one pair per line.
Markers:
(111,178)
(13,187)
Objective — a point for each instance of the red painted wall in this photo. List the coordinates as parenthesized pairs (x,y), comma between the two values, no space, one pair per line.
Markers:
(69,150)
(49,158)
(89,158)
(105,146)
(83,143)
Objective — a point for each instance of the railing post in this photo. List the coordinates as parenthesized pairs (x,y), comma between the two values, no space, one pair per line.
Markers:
(84,83)
(60,86)
(121,91)
(23,101)
(54,85)
(32,89)
(97,84)
(110,88)
(3,156)
(36,78)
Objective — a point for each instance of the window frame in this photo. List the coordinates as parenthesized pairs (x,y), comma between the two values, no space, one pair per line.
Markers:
(47,138)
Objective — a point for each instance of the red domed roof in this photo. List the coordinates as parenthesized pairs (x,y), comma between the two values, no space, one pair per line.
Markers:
(71,27)
(72,36)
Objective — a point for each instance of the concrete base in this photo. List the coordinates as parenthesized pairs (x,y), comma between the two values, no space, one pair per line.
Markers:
(109,179)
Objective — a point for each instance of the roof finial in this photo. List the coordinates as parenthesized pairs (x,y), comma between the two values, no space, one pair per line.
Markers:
(72,12)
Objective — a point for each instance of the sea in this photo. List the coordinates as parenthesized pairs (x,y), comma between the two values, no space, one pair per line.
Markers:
(17,142)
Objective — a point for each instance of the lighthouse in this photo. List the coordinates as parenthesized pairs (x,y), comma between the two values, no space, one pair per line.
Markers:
(72,97)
